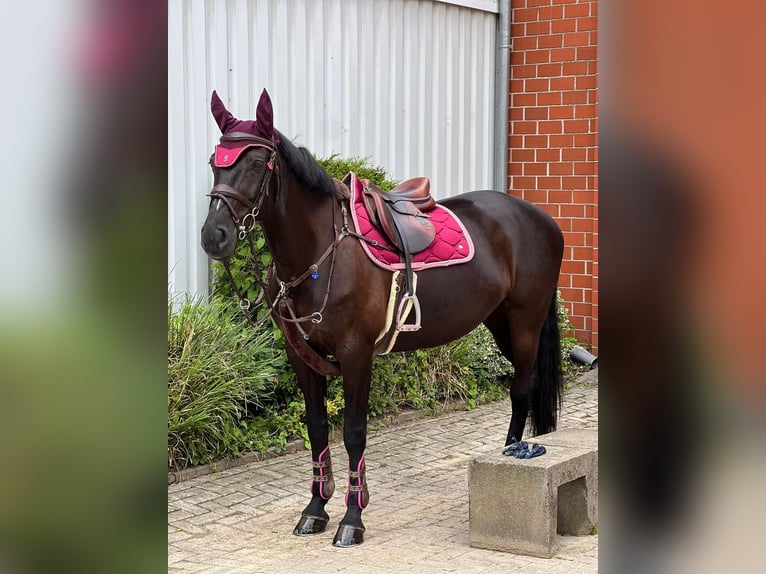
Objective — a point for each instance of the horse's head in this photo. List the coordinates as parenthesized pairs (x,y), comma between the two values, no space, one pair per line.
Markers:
(243,165)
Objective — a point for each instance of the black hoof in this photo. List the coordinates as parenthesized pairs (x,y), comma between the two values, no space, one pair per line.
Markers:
(309,525)
(348,536)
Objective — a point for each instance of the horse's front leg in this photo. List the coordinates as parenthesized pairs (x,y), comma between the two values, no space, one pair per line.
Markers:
(314,386)
(357,368)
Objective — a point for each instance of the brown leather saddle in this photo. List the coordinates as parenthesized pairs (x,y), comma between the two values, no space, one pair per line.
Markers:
(402,216)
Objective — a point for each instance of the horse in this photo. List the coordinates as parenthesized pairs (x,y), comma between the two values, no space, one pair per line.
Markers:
(322,285)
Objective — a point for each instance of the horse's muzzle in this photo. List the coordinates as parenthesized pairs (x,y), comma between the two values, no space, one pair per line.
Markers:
(218,241)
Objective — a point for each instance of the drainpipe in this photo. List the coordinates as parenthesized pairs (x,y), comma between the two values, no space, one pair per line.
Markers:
(502,66)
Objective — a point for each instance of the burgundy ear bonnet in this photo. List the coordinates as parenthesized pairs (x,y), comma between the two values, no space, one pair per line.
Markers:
(227,152)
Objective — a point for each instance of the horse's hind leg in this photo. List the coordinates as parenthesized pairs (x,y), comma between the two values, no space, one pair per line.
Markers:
(314,386)
(517,338)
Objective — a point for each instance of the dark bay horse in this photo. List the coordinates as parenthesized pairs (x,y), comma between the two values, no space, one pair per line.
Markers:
(509,285)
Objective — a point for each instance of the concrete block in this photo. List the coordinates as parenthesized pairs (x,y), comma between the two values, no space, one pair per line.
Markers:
(518,505)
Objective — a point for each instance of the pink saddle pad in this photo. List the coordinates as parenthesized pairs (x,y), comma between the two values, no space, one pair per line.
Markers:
(451,246)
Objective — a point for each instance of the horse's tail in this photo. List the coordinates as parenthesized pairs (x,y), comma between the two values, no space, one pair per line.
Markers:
(546,395)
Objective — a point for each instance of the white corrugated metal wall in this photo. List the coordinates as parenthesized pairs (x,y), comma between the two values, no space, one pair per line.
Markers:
(409,83)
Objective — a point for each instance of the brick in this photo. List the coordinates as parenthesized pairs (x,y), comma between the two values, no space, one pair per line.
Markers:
(576,126)
(549,127)
(535,29)
(549,70)
(562,54)
(535,168)
(550,41)
(585,111)
(575,183)
(551,154)
(560,168)
(535,141)
(539,196)
(562,197)
(515,168)
(561,84)
(522,155)
(537,56)
(536,113)
(587,24)
(573,97)
(549,98)
(571,296)
(573,210)
(586,197)
(551,13)
(586,82)
(576,39)
(582,225)
(574,154)
(525,15)
(584,140)
(524,127)
(521,43)
(524,182)
(516,114)
(574,68)
(584,168)
(586,53)
(582,309)
(550,183)
(522,100)
(524,71)
(516,86)
(550,209)
(577,10)
(562,112)
(560,26)
(536,85)
(562,141)
(581,253)
(531,3)
(517,57)
(573,267)
(518,30)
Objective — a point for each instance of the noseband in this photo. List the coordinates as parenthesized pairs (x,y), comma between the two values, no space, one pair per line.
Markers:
(225,192)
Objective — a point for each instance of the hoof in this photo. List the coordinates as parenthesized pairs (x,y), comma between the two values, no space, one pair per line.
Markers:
(309,525)
(348,536)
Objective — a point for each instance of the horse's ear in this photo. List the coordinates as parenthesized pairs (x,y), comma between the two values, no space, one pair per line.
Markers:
(264,115)
(222,116)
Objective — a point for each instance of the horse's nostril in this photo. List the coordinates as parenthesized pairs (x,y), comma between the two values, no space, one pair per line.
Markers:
(220,235)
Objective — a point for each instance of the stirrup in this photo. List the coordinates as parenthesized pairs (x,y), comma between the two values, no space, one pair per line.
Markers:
(404,311)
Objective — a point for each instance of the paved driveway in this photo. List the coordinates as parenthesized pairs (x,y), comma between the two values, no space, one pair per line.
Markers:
(241,519)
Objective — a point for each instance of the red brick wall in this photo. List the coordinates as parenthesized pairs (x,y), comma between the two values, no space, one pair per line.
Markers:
(553,137)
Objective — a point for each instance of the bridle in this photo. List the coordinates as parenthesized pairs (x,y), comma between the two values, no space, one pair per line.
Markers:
(225,192)
(245,226)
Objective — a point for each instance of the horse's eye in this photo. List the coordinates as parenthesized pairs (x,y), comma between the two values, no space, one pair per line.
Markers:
(256,164)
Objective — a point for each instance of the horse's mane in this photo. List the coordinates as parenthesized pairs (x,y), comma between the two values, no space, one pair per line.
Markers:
(305,168)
